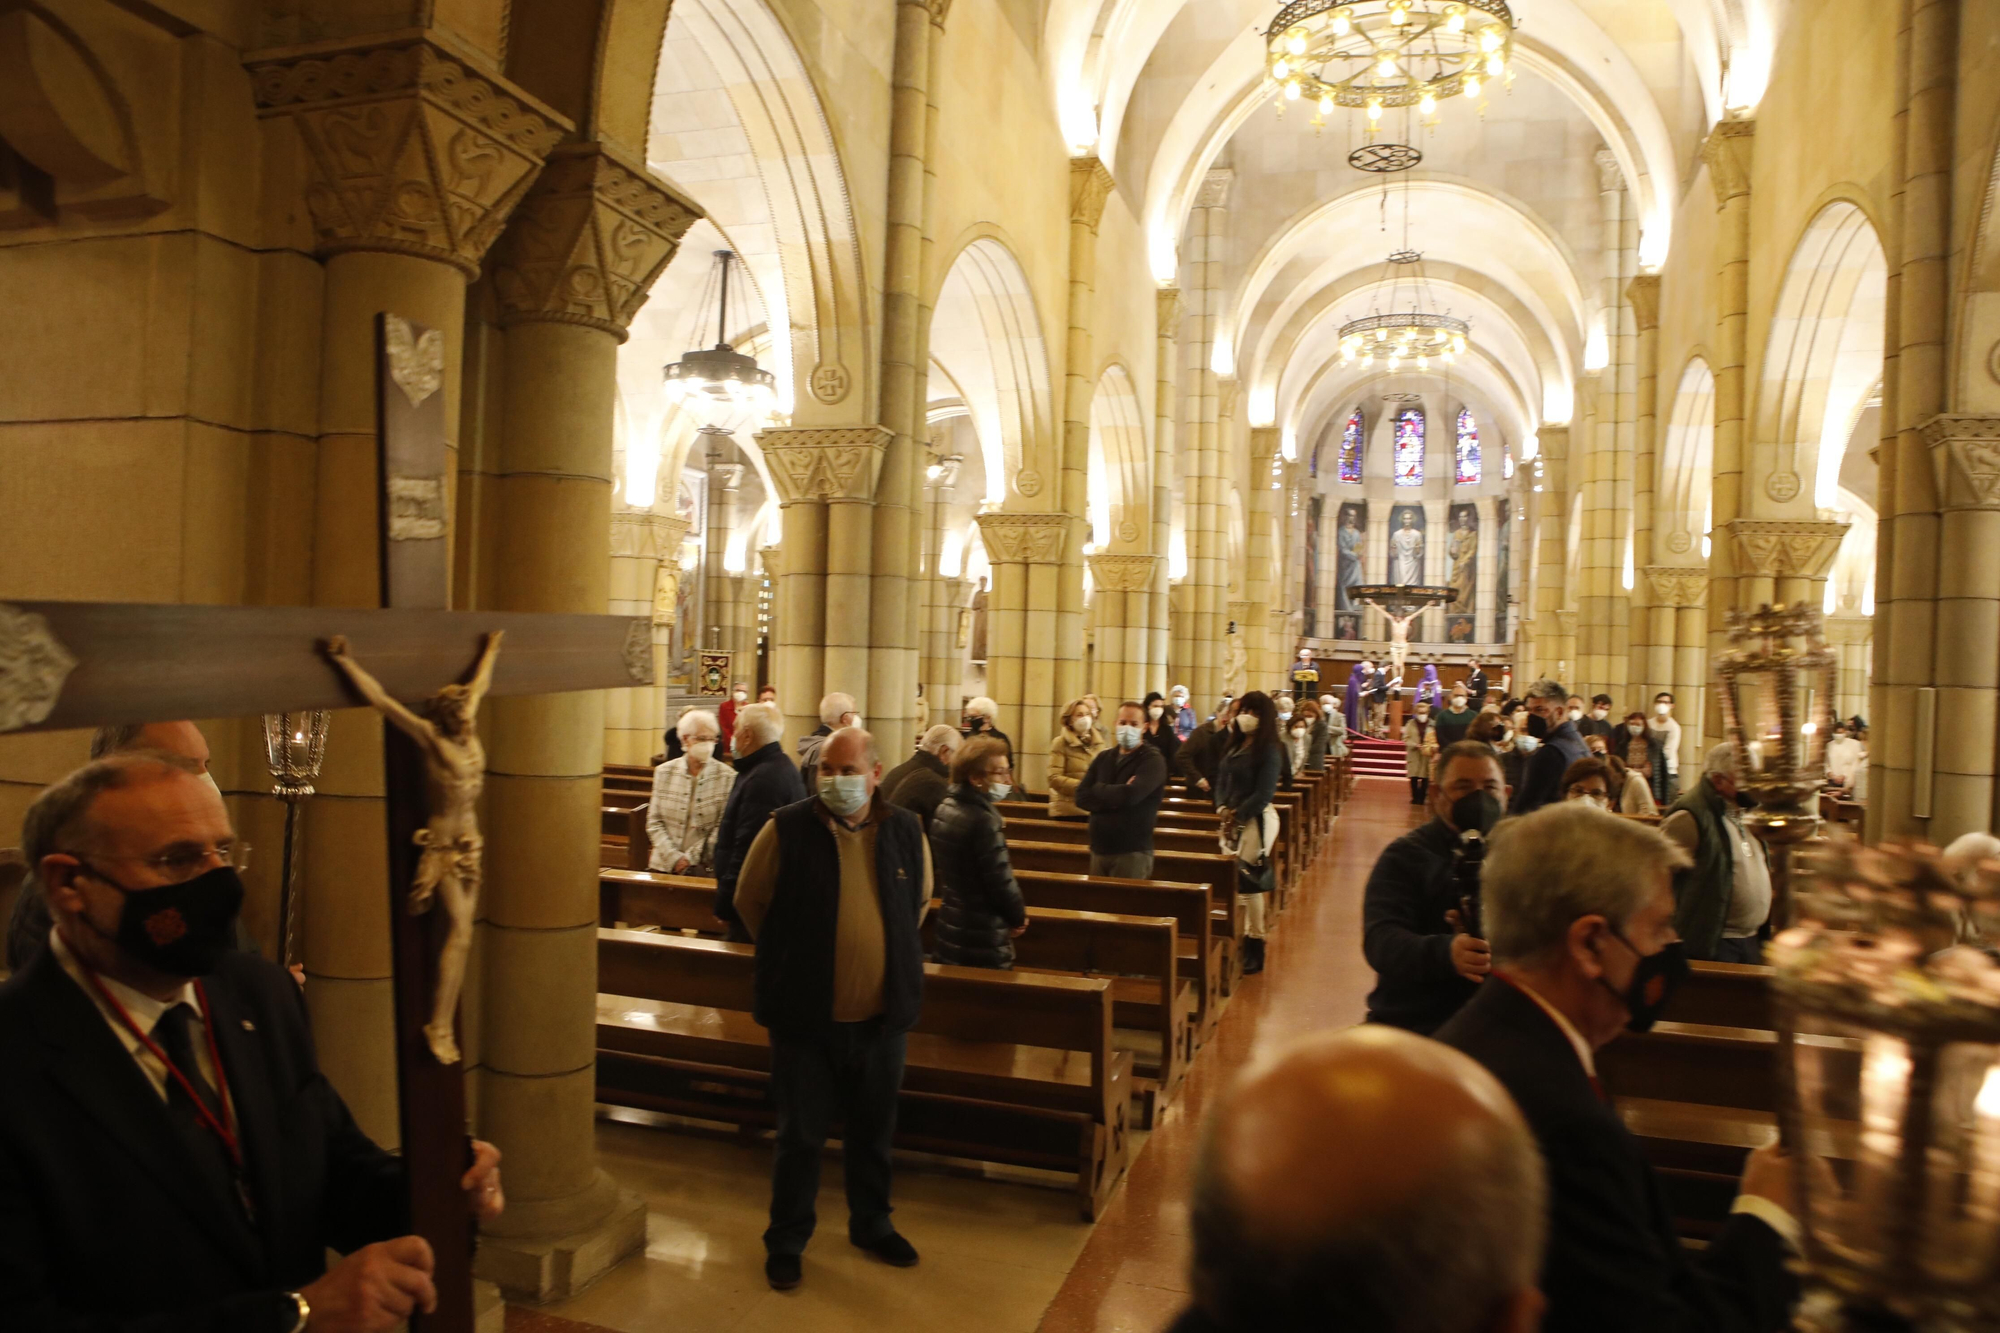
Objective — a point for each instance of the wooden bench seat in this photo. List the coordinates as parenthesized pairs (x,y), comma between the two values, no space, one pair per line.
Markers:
(1002,1066)
(1215,872)
(622,839)
(1199,953)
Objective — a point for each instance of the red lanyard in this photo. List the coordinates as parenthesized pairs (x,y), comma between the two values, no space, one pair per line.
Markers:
(225,1127)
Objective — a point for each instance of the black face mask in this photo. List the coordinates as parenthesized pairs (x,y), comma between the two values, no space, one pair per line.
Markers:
(1653,984)
(1476,812)
(179,929)
(1746,800)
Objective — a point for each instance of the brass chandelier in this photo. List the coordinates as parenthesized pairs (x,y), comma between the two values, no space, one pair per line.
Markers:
(1406,336)
(1375,54)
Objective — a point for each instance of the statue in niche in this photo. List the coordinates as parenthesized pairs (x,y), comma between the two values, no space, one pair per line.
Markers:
(455,766)
(1406,549)
(979,623)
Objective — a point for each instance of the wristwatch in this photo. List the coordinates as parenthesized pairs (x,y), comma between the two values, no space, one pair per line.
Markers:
(303,1311)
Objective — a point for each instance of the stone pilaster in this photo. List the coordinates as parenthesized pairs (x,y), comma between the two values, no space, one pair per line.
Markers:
(1121,603)
(1650,656)
(645,581)
(1170,656)
(1966,455)
(1679,595)
(1026,552)
(411,163)
(1203,480)
(1728,150)
(1089,188)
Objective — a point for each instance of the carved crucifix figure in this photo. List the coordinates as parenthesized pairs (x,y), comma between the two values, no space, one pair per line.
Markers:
(1399,635)
(455,769)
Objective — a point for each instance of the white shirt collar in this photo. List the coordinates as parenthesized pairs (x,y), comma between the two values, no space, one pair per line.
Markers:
(145,1010)
(1584,1054)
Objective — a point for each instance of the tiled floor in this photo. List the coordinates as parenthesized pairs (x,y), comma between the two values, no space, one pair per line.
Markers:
(999,1256)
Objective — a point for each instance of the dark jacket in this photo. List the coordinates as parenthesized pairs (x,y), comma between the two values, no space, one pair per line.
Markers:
(1404,934)
(982,903)
(1122,792)
(1475,688)
(1587,726)
(765,781)
(1166,742)
(1451,727)
(1541,779)
(795,957)
(1201,754)
(1614,1261)
(917,785)
(1620,745)
(1249,779)
(809,748)
(1703,891)
(108,1224)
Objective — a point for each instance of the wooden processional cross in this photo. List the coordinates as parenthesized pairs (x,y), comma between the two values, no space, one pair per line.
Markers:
(87,664)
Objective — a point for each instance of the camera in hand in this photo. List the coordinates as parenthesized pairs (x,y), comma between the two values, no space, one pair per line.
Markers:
(1474,814)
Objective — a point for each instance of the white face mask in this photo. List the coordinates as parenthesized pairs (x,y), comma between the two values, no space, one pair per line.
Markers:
(1600,713)
(1663,709)
(1080,724)
(1246,723)
(701,751)
(1154,710)
(1575,713)
(1526,743)
(1284,714)
(1000,791)
(1129,736)
(1458,701)
(1601,802)
(741,696)
(1299,730)
(1635,727)
(843,793)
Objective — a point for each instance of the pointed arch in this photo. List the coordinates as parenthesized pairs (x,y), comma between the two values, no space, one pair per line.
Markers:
(1119,485)
(987,335)
(1687,460)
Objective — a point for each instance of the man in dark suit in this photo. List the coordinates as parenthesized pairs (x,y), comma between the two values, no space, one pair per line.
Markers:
(1579,906)
(765,781)
(1561,746)
(920,782)
(171,1158)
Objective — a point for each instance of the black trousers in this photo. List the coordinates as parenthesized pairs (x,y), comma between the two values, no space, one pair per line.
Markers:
(1419,789)
(855,1073)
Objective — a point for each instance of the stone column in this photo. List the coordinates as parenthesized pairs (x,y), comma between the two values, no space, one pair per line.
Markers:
(645,576)
(1123,599)
(1606,468)
(1728,150)
(1026,555)
(1967,454)
(944,655)
(1202,476)
(1648,667)
(1679,594)
(1261,549)
(1907,774)
(1852,637)
(826,478)
(1552,524)
(401,225)
(1162,662)
(1089,189)
(573,268)
(1237,633)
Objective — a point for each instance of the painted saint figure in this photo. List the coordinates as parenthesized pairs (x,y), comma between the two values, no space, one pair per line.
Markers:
(1406,551)
(1464,554)
(1349,571)
(455,771)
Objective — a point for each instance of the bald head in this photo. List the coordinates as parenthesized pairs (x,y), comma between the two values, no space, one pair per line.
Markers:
(1373,1180)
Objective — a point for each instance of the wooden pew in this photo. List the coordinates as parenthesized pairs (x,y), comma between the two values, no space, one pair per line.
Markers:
(1153,1004)
(1192,841)
(1214,871)
(623,840)
(1200,952)
(1157,999)
(1002,1066)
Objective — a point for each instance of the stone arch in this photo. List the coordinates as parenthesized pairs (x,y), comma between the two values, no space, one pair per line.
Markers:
(1119,488)
(736,122)
(987,336)
(1687,454)
(1822,359)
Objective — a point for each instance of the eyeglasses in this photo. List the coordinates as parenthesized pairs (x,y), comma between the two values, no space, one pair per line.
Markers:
(184,863)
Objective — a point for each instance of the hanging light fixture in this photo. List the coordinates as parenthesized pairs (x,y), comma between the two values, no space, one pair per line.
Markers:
(1371,54)
(1413,330)
(725,390)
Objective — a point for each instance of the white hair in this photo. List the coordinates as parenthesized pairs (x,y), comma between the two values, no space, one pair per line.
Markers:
(757,725)
(1720,759)
(1566,861)
(698,723)
(835,707)
(983,707)
(1547,689)
(1967,850)
(941,740)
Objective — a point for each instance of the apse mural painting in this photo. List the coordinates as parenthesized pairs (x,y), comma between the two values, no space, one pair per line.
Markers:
(1351,440)
(1353,532)
(1409,452)
(1463,551)
(1467,449)
(1406,544)
(1503,560)
(1315,509)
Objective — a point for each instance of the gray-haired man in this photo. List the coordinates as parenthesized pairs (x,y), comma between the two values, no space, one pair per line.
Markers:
(1541,777)
(920,782)
(1724,897)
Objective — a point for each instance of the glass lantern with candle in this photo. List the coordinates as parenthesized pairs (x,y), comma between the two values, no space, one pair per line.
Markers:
(1777,706)
(1891,1069)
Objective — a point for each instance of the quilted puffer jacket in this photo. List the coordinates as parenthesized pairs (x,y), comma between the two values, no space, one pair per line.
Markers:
(982,904)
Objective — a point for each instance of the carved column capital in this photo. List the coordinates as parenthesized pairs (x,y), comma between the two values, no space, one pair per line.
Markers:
(1965,451)
(1247,615)
(837,463)
(1786,548)
(1644,294)
(407,149)
(728,476)
(1214,189)
(1609,175)
(1264,444)
(642,533)
(588,239)
(1089,188)
(1167,310)
(771,560)
(1728,151)
(1026,539)
(1122,573)
(1677,585)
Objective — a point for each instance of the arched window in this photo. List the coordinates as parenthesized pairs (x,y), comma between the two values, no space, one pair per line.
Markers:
(1410,447)
(1468,449)
(1350,448)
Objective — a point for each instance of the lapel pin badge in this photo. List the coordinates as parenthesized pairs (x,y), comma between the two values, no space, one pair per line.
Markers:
(248,1026)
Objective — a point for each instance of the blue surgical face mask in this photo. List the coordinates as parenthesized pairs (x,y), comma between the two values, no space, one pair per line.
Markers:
(843,793)
(1129,736)
(1000,791)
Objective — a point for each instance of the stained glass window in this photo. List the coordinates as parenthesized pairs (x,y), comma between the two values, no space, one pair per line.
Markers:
(1350,448)
(1468,449)
(1410,447)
